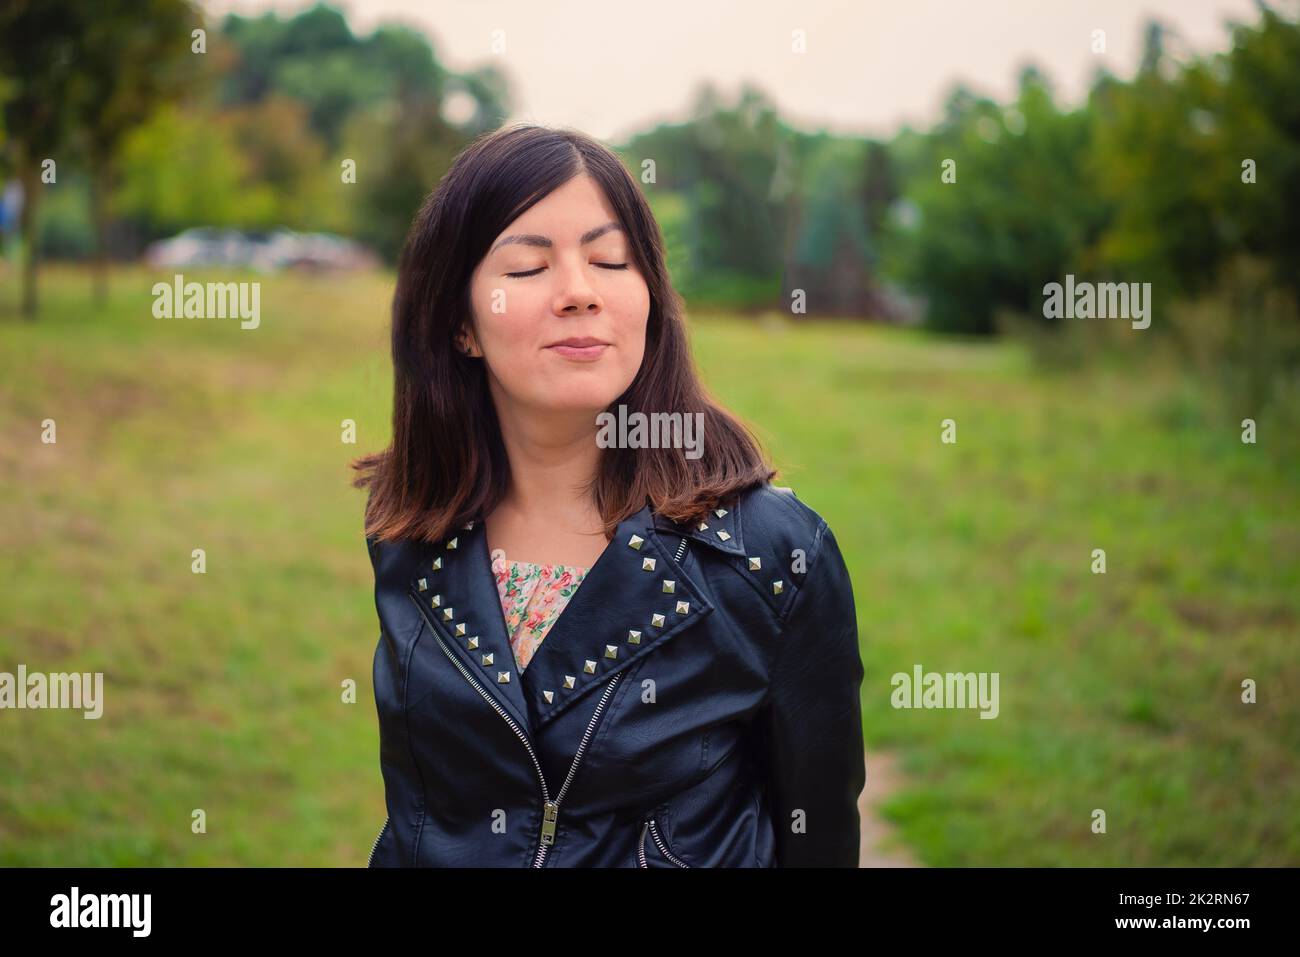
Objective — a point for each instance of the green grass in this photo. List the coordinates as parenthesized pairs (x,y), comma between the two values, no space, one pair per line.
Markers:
(1118,691)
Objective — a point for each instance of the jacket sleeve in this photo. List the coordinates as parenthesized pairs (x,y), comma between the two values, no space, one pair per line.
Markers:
(810,726)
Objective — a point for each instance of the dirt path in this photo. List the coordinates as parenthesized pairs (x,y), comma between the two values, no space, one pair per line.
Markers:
(880,845)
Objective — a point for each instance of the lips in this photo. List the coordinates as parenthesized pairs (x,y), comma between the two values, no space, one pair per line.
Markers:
(580,348)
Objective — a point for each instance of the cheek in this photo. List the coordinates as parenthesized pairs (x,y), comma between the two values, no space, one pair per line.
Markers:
(632,308)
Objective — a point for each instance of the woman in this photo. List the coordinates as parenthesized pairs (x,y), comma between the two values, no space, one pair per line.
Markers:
(597,647)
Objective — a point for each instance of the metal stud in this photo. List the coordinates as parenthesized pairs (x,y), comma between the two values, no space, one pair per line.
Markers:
(704,527)
(447,612)
(589,666)
(722,534)
(683,607)
(778,586)
(657,620)
(503,677)
(487,659)
(451,544)
(647,564)
(755,564)
(611,651)
(468,527)
(549,696)
(635,542)
(437,563)
(472,643)
(460,629)
(670,586)
(634,637)
(424,584)
(568,681)
(435,601)
(719,512)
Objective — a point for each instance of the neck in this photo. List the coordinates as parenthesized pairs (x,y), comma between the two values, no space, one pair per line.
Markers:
(553,457)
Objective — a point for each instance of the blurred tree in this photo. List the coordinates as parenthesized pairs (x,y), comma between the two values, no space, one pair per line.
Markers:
(38,61)
(1018,211)
(1260,122)
(164,159)
(132,55)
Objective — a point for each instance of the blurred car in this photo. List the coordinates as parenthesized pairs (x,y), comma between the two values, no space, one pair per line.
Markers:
(263,251)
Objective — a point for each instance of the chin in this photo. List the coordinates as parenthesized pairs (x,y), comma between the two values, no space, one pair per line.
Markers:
(580,399)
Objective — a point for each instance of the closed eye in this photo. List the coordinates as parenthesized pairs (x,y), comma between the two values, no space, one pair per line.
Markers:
(534,272)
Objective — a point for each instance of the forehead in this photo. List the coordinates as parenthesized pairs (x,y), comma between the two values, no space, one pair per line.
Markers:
(567,212)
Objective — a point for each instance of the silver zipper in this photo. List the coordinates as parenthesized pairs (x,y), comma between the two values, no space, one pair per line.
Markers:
(378,837)
(550,809)
(652,825)
(680,549)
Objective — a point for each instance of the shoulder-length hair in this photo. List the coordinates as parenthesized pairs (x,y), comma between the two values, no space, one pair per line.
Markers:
(447,463)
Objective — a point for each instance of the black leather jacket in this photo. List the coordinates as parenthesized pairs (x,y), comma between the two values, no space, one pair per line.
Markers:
(696,704)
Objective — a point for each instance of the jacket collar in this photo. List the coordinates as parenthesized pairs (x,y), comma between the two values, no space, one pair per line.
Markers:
(721,530)
(632,602)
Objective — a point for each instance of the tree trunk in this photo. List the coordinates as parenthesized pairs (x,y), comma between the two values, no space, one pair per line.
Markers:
(99,217)
(31,181)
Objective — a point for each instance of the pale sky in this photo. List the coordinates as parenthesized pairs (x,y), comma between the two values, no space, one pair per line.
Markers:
(612,68)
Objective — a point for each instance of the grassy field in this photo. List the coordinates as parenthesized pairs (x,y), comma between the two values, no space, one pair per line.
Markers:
(1118,691)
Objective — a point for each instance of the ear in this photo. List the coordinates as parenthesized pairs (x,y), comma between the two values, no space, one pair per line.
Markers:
(467,343)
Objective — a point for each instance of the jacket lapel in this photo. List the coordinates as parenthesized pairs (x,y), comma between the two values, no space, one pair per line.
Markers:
(457,592)
(633,600)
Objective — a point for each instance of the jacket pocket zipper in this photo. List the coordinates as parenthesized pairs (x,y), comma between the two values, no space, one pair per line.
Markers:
(550,809)
(374,847)
(651,826)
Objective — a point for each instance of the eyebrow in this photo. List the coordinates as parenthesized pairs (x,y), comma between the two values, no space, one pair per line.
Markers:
(533,239)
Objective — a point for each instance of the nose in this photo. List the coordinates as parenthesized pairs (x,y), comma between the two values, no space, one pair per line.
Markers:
(576,294)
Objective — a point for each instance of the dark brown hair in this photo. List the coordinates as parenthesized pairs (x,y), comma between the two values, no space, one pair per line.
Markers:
(447,462)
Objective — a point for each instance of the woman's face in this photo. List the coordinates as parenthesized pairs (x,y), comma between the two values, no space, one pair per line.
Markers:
(560,307)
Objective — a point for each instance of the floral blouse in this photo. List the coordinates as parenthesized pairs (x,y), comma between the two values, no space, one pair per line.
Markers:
(532,597)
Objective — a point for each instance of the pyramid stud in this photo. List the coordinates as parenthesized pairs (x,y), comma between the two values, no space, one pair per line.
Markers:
(611,651)
(437,563)
(755,564)
(647,564)
(704,526)
(503,677)
(549,696)
(670,586)
(722,534)
(634,637)
(657,620)
(447,612)
(435,601)
(451,544)
(460,629)
(683,607)
(487,659)
(472,643)
(568,681)
(635,542)
(719,512)
(589,666)
(778,586)
(424,584)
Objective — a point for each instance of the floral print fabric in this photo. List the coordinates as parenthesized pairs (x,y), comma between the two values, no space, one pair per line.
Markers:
(532,597)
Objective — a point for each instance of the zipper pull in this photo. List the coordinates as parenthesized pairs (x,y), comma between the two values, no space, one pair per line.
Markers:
(551,811)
